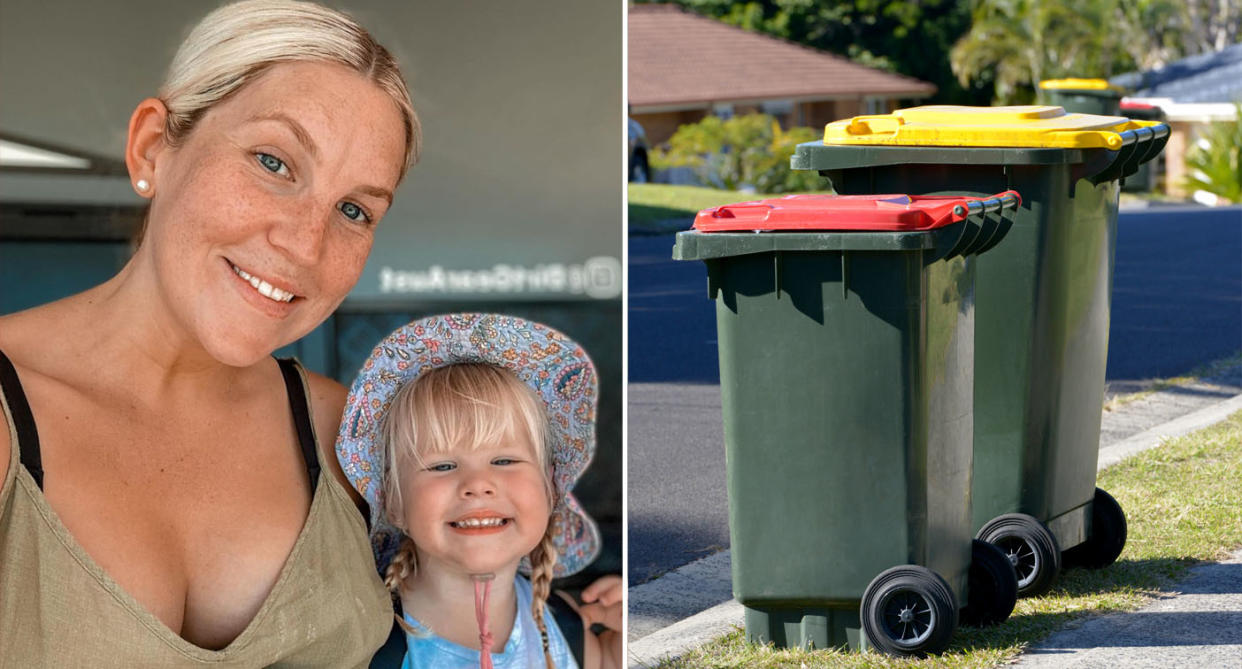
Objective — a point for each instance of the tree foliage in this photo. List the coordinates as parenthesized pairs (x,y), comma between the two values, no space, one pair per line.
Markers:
(744,151)
(1022,42)
(1210,25)
(1152,32)
(1015,44)
(982,51)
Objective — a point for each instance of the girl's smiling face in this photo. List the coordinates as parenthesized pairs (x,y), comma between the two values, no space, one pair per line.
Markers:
(475,509)
(262,218)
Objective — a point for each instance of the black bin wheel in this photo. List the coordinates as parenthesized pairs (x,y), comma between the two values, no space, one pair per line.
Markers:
(1108,535)
(1030,547)
(993,586)
(908,611)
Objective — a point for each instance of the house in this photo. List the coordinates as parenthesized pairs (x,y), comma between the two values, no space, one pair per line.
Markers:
(1192,92)
(683,67)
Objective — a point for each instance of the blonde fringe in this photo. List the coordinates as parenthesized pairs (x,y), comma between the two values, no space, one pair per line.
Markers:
(542,565)
(403,563)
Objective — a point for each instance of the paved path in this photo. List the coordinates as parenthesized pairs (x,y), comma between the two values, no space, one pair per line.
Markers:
(1200,625)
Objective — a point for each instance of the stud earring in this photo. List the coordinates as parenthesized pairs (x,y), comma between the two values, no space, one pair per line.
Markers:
(143,185)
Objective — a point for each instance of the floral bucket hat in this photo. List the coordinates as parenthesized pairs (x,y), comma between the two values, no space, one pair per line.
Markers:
(552,364)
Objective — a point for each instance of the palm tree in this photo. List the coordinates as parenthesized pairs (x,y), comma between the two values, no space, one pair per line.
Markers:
(1019,43)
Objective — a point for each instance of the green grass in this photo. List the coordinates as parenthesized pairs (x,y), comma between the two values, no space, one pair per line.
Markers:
(1183,507)
(660,208)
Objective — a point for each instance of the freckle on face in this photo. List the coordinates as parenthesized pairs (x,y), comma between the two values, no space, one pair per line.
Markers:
(215,202)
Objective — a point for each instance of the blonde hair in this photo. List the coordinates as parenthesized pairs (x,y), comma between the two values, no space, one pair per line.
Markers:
(466,405)
(236,43)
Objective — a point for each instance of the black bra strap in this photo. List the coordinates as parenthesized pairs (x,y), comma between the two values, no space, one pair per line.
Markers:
(301,417)
(27,435)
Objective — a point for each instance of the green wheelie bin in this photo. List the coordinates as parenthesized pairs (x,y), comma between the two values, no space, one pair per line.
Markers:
(1042,298)
(1144,180)
(845,329)
(1086,96)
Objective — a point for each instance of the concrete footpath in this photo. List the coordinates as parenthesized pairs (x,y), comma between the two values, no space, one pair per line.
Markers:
(1200,624)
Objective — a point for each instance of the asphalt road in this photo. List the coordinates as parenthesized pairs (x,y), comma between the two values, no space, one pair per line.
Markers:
(1177,303)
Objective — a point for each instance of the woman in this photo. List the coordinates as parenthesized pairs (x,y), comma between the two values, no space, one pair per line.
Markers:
(162,503)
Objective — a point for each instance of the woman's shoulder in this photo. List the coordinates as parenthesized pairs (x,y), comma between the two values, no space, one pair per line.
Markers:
(47,342)
(327,400)
(15,334)
(45,346)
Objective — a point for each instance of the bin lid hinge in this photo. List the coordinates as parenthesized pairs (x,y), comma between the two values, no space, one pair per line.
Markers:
(845,288)
(776,273)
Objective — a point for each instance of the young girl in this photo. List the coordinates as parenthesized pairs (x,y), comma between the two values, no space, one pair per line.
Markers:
(466,433)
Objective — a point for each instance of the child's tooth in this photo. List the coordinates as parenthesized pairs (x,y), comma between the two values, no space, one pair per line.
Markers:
(490,521)
(481,522)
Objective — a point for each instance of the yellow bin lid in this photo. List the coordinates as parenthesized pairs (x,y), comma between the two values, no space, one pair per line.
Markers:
(1079,84)
(1029,126)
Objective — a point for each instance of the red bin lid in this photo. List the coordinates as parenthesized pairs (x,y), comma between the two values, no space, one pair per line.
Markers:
(809,213)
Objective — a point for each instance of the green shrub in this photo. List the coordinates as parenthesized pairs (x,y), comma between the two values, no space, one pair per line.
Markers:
(744,151)
(1214,162)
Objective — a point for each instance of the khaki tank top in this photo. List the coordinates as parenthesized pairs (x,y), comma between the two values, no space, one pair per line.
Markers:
(58,608)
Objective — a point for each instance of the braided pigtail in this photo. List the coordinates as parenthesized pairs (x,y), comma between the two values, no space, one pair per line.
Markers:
(542,564)
(402,565)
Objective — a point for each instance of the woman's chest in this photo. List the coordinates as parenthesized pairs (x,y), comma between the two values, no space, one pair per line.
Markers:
(194,522)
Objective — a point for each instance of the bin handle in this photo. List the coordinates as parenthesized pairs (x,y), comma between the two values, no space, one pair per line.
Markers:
(1133,136)
(860,125)
(1147,132)
(1006,200)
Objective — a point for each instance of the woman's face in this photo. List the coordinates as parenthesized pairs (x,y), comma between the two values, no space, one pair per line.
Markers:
(262,218)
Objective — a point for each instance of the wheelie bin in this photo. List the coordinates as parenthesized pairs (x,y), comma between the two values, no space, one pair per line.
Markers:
(1042,303)
(1087,96)
(1144,180)
(845,331)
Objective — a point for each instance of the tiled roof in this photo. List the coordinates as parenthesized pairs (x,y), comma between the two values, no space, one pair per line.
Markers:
(676,57)
(1209,77)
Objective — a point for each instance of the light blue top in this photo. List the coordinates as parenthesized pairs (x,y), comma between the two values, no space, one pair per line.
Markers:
(523,650)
